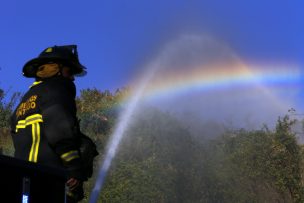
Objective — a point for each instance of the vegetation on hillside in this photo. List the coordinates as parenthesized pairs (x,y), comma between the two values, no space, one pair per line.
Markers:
(6,109)
(159,160)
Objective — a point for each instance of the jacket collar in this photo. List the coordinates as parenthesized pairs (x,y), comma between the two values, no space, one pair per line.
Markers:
(36,83)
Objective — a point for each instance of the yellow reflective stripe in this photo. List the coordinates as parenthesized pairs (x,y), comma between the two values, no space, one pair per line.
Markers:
(38,142)
(35,83)
(29,121)
(70,155)
(33,156)
(33,143)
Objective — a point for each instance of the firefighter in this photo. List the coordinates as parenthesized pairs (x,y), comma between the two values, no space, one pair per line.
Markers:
(44,125)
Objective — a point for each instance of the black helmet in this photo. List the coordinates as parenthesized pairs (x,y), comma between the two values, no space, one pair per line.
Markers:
(66,55)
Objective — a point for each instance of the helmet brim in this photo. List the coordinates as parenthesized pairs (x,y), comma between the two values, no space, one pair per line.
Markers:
(31,67)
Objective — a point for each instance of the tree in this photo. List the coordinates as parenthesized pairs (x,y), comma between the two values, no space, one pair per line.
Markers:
(6,110)
(287,158)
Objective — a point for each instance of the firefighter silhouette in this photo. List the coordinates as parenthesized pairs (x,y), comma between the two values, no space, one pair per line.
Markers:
(45,128)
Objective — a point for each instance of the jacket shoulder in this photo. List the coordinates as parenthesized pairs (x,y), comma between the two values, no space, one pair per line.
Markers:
(57,91)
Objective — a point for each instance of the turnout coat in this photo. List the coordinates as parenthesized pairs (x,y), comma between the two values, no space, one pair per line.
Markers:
(45,127)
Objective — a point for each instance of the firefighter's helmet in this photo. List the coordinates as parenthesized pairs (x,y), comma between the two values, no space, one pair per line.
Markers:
(65,55)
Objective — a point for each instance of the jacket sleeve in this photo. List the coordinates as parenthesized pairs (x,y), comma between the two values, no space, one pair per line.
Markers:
(61,128)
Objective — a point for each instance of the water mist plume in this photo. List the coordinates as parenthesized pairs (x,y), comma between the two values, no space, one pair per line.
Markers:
(201,80)
(205,78)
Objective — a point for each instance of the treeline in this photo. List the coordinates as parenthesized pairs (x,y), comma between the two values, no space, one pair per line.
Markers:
(159,160)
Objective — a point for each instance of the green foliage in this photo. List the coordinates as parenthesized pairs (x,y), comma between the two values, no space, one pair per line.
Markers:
(286,158)
(159,160)
(6,109)
(258,166)
(97,112)
(134,182)
(153,162)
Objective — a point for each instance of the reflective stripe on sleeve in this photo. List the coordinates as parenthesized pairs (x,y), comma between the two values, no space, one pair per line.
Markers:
(70,155)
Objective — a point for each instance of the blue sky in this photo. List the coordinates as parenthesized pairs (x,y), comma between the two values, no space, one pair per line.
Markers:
(116,38)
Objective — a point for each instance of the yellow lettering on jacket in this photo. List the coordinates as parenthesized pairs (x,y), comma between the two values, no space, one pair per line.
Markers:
(27,105)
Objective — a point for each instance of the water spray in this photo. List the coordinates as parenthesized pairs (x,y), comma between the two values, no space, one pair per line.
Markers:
(121,127)
(192,57)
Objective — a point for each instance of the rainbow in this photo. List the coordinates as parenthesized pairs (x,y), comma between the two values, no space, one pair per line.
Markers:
(221,77)
(217,68)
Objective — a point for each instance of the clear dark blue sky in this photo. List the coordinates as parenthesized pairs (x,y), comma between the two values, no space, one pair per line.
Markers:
(116,37)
